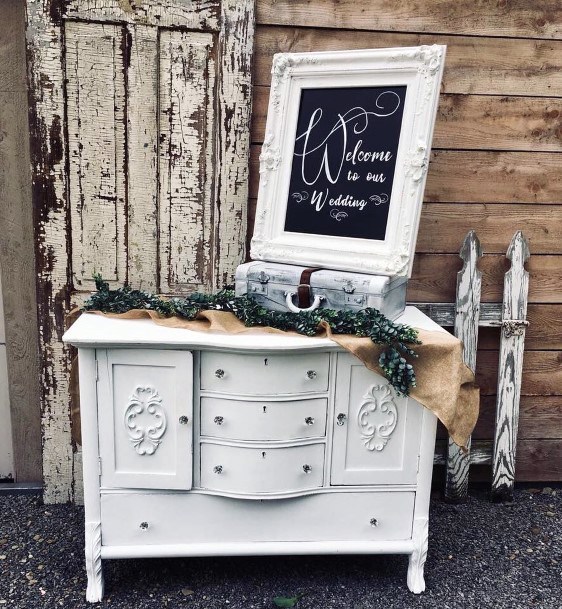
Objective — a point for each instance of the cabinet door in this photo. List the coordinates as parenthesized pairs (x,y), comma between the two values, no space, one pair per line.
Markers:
(376,435)
(145,408)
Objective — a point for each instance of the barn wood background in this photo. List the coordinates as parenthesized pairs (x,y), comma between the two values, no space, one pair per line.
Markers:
(495,167)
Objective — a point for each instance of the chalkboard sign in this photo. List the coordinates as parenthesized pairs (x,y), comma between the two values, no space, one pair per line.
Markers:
(345,156)
(344,161)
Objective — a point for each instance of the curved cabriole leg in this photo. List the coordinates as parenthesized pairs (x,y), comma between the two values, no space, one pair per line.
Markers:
(416,582)
(94,592)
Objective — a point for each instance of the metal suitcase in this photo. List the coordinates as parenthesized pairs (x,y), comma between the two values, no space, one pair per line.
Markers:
(287,287)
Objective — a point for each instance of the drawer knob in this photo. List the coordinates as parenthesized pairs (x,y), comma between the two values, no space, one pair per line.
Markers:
(311,374)
(217,469)
(184,420)
(341,418)
(374,522)
(306,469)
(218,420)
(143,526)
(219,373)
(309,420)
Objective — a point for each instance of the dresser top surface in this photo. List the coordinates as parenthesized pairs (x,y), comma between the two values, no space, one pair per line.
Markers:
(98,331)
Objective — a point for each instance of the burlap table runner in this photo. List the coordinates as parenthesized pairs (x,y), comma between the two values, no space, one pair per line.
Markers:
(445,385)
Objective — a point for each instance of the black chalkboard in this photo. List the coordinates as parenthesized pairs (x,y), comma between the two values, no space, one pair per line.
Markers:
(344,160)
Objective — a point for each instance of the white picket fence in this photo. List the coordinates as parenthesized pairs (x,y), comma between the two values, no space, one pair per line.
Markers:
(466,316)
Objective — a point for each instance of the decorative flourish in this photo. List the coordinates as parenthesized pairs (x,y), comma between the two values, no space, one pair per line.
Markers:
(397,340)
(417,162)
(338,215)
(379,199)
(377,417)
(280,71)
(430,56)
(270,158)
(299,197)
(145,439)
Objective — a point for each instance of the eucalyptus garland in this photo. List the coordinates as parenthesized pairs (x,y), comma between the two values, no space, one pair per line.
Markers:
(367,322)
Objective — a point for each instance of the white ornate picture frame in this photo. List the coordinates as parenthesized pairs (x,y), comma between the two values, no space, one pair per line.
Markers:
(403,82)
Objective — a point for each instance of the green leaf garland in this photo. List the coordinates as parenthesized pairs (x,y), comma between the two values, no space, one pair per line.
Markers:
(367,322)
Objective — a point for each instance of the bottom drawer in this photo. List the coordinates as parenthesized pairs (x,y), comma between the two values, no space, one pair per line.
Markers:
(167,518)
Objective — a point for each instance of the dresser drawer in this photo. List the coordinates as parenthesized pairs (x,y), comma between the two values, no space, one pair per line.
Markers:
(150,519)
(264,374)
(263,420)
(237,469)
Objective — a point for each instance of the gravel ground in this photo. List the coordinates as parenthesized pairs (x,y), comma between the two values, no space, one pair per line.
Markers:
(480,555)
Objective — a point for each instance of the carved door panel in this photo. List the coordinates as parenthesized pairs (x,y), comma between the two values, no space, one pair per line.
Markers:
(139,136)
(376,435)
(145,411)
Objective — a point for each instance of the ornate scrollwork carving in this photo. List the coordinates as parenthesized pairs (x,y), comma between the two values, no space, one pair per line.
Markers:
(270,158)
(145,439)
(377,417)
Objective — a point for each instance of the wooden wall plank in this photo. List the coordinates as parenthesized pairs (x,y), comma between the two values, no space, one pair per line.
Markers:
(539,417)
(433,278)
(539,460)
(187,82)
(542,373)
(18,278)
(471,176)
(537,19)
(17,247)
(196,14)
(474,122)
(442,224)
(491,66)
(142,156)
(499,177)
(96,144)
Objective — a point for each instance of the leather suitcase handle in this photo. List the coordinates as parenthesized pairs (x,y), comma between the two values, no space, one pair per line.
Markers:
(303,289)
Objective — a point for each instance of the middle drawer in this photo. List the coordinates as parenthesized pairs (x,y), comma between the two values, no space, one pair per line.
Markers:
(263,420)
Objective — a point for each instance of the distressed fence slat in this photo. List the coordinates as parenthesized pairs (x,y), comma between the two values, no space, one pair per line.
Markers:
(443,313)
(516,288)
(469,282)
(480,452)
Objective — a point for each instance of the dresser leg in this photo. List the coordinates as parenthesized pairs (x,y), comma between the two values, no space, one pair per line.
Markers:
(94,591)
(416,582)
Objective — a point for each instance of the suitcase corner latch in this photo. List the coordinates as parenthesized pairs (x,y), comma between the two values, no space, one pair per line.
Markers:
(348,287)
(263,277)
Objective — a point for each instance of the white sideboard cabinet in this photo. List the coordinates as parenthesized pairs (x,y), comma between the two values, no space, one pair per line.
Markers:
(198,444)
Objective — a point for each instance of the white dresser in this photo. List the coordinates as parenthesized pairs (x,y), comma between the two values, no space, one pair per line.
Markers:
(199,444)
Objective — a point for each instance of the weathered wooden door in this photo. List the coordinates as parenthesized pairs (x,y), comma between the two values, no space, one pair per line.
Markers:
(139,133)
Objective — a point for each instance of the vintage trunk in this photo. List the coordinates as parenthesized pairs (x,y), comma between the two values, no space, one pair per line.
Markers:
(287,287)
